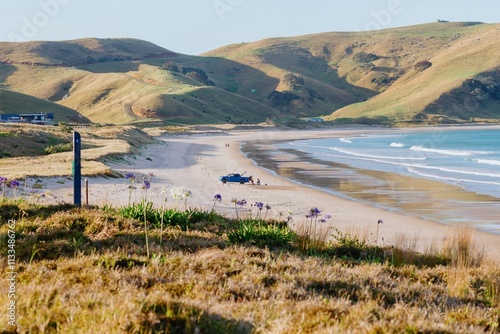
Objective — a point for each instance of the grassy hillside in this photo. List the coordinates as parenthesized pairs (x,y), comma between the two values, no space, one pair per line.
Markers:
(113,271)
(47,151)
(13,103)
(432,73)
(442,92)
(130,91)
(79,52)
(383,64)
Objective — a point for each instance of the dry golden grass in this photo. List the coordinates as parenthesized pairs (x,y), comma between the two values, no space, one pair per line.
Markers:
(98,143)
(77,52)
(86,271)
(462,250)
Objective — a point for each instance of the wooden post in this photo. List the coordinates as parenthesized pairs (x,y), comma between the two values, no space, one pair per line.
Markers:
(77,169)
(86,192)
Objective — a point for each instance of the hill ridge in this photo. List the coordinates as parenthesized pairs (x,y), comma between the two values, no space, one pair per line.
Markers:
(80,52)
(423,74)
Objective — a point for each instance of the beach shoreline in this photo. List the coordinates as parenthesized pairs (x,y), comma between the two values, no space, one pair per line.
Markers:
(427,199)
(196,161)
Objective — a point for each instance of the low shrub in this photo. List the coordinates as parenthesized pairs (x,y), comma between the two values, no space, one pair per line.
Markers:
(58,148)
(422,65)
(171,217)
(261,234)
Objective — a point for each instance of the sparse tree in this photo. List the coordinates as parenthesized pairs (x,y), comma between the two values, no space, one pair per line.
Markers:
(364,57)
(422,65)
(293,80)
(480,94)
(170,66)
(198,75)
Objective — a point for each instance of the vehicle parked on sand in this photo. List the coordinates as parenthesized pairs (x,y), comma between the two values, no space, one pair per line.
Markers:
(235,177)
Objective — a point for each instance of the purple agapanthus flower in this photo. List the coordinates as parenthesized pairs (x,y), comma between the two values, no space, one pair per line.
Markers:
(14,184)
(130,176)
(146,184)
(3,179)
(243,202)
(259,205)
(313,213)
(380,221)
(217,198)
(325,218)
(268,207)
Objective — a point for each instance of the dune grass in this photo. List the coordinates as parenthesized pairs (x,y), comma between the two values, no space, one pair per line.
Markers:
(24,149)
(87,270)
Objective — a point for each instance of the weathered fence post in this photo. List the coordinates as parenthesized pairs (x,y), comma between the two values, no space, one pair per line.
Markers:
(77,169)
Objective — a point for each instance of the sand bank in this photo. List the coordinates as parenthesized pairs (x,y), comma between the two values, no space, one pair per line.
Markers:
(196,161)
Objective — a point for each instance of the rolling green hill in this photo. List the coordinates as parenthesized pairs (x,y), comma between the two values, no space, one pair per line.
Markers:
(13,103)
(461,82)
(425,74)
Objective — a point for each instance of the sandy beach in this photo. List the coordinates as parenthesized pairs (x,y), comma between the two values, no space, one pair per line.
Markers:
(195,162)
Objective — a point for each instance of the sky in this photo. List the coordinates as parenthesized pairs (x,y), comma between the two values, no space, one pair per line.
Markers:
(196,26)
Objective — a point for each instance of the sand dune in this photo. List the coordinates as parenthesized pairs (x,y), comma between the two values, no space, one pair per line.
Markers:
(195,162)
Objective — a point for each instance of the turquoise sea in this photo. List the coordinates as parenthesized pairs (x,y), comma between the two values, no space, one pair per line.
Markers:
(445,175)
(468,158)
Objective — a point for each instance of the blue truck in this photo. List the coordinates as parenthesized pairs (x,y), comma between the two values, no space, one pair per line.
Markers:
(235,177)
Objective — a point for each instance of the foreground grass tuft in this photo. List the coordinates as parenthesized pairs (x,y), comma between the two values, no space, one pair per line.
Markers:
(87,270)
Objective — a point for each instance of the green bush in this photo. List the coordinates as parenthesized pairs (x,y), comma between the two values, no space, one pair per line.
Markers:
(350,246)
(65,127)
(171,217)
(140,211)
(422,65)
(262,234)
(293,80)
(58,148)
(170,66)
(197,215)
(363,57)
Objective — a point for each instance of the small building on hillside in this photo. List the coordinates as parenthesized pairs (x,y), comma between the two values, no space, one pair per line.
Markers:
(35,118)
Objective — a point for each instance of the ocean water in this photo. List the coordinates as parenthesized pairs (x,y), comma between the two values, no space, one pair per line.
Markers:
(468,158)
(450,176)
